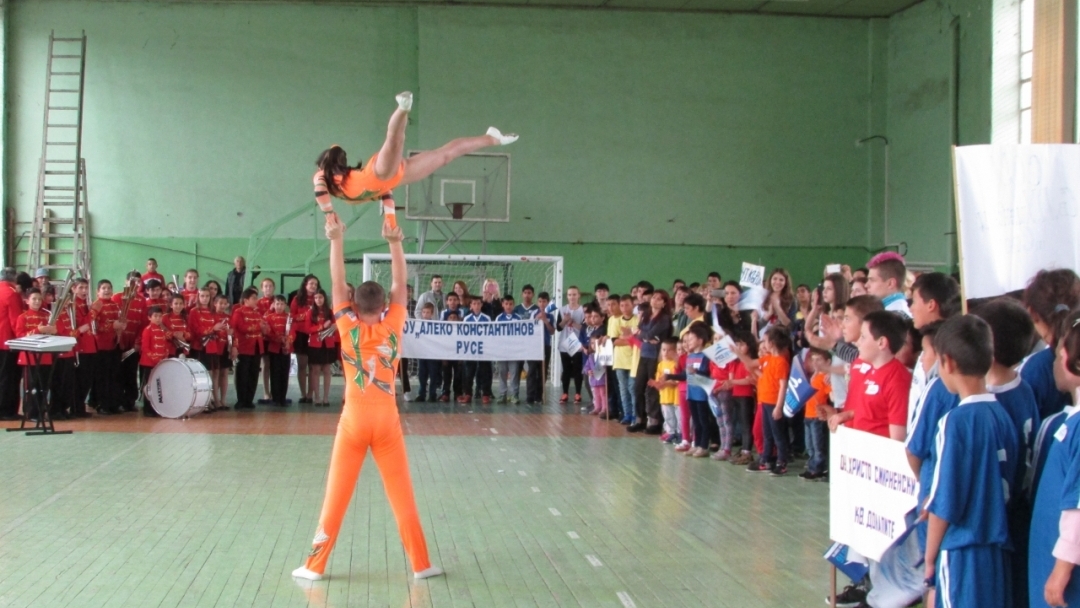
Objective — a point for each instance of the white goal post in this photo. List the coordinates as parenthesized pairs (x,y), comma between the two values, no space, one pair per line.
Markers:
(511,272)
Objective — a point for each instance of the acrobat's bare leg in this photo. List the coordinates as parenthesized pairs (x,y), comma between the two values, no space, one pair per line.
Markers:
(425,163)
(389,159)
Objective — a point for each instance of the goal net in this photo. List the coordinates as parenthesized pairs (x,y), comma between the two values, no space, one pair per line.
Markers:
(512,273)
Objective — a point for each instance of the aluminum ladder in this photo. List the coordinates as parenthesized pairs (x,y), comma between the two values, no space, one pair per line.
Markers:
(59,237)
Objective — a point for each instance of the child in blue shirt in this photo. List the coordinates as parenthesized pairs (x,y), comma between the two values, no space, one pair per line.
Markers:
(509,372)
(478,372)
(1013,335)
(1054,542)
(976,453)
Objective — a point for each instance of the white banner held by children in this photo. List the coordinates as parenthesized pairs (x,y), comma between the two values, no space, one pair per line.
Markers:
(871,491)
(1018,213)
(505,341)
(752,275)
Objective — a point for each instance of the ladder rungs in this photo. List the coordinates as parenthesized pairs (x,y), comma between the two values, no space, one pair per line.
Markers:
(55,251)
(55,266)
(69,188)
(69,39)
(60,143)
(59,173)
(61,126)
(63,90)
(57,235)
(64,73)
(67,56)
(64,108)
(59,161)
(59,220)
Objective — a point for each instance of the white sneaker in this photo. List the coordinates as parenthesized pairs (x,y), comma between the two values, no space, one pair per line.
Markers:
(407,396)
(304,573)
(509,138)
(430,572)
(404,101)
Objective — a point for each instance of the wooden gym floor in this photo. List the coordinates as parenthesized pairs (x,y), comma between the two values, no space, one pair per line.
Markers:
(522,506)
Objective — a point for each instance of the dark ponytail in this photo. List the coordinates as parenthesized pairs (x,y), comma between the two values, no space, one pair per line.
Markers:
(333,162)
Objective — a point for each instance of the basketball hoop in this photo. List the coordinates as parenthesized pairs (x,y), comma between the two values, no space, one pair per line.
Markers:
(458,210)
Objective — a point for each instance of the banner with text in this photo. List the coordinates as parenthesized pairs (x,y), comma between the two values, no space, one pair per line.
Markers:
(455,341)
(871,491)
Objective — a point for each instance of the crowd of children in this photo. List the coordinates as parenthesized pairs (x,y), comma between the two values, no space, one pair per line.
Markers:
(122,335)
(982,401)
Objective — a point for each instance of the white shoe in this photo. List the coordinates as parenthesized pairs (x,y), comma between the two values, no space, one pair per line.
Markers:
(408,396)
(304,573)
(404,101)
(509,138)
(430,572)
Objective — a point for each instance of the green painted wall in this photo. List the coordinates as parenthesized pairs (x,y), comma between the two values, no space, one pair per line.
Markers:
(721,137)
(939,82)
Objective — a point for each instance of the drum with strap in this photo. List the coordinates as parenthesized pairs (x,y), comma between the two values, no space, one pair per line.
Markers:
(178,388)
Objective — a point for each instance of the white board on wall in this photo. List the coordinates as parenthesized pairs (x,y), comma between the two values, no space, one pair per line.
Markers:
(1017,213)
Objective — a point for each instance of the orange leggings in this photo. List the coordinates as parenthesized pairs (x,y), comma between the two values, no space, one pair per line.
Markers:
(379,428)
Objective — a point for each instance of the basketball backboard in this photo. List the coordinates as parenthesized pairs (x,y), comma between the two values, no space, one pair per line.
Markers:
(473,188)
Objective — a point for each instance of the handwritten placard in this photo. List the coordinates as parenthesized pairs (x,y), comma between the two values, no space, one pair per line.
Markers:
(752,275)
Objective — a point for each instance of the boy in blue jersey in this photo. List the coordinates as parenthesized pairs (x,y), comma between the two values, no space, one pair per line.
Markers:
(975,458)
(1014,334)
(1054,543)
(478,371)
(508,372)
(935,402)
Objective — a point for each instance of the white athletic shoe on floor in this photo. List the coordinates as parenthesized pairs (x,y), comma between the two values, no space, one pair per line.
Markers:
(430,572)
(304,573)
(509,138)
(404,101)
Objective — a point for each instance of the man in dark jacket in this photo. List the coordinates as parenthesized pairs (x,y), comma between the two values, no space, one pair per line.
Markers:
(234,281)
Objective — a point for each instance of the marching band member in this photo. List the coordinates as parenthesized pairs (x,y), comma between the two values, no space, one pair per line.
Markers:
(248,330)
(153,351)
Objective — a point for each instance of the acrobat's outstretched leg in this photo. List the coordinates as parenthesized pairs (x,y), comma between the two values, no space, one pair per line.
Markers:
(425,163)
(389,159)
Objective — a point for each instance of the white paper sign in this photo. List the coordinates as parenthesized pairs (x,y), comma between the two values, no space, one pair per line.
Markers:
(752,275)
(753,298)
(1019,213)
(833,269)
(569,342)
(605,353)
(721,353)
(871,491)
(505,341)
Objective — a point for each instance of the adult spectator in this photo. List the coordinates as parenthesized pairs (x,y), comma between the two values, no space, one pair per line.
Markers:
(234,281)
(434,296)
(11,306)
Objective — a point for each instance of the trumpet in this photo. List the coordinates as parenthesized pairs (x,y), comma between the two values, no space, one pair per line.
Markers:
(206,339)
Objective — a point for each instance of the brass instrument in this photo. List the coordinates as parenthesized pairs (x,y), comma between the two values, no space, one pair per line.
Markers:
(65,300)
(131,290)
(288,332)
(326,333)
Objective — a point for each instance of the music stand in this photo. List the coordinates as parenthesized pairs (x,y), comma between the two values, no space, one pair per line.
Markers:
(36,347)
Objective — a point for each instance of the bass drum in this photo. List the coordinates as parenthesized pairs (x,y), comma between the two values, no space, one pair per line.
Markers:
(178,388)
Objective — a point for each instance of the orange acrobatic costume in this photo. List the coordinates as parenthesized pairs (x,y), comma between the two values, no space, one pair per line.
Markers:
(370,420)
(369,354)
